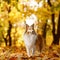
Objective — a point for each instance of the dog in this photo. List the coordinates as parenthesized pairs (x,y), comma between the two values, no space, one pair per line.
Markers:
(30,39)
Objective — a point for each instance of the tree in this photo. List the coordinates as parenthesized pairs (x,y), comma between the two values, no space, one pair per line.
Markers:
(58,31)
(55,36)
(8,39)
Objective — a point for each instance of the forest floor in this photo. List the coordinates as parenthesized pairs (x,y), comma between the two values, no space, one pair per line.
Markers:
(17,53)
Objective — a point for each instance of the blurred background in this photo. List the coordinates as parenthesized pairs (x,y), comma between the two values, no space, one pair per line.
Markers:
(15,14)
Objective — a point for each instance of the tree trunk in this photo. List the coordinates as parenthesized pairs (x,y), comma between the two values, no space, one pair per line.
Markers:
(44,30)
(9,33)
(58,30)
(55,36)
(4,39)
(53,31)
(44,33)
(8,39)
(49,3)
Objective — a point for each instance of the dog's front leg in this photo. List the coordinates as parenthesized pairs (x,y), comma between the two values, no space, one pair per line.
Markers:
(28,52)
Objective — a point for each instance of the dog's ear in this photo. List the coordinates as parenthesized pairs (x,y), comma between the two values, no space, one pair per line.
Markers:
(26,28)
(32,26)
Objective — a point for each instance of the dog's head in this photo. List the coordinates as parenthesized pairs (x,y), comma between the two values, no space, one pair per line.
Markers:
(29,29)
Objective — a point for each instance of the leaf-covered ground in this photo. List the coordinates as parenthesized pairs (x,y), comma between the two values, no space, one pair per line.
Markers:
(17,53)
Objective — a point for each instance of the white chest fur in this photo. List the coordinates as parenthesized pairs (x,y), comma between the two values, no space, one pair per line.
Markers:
(29,39)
